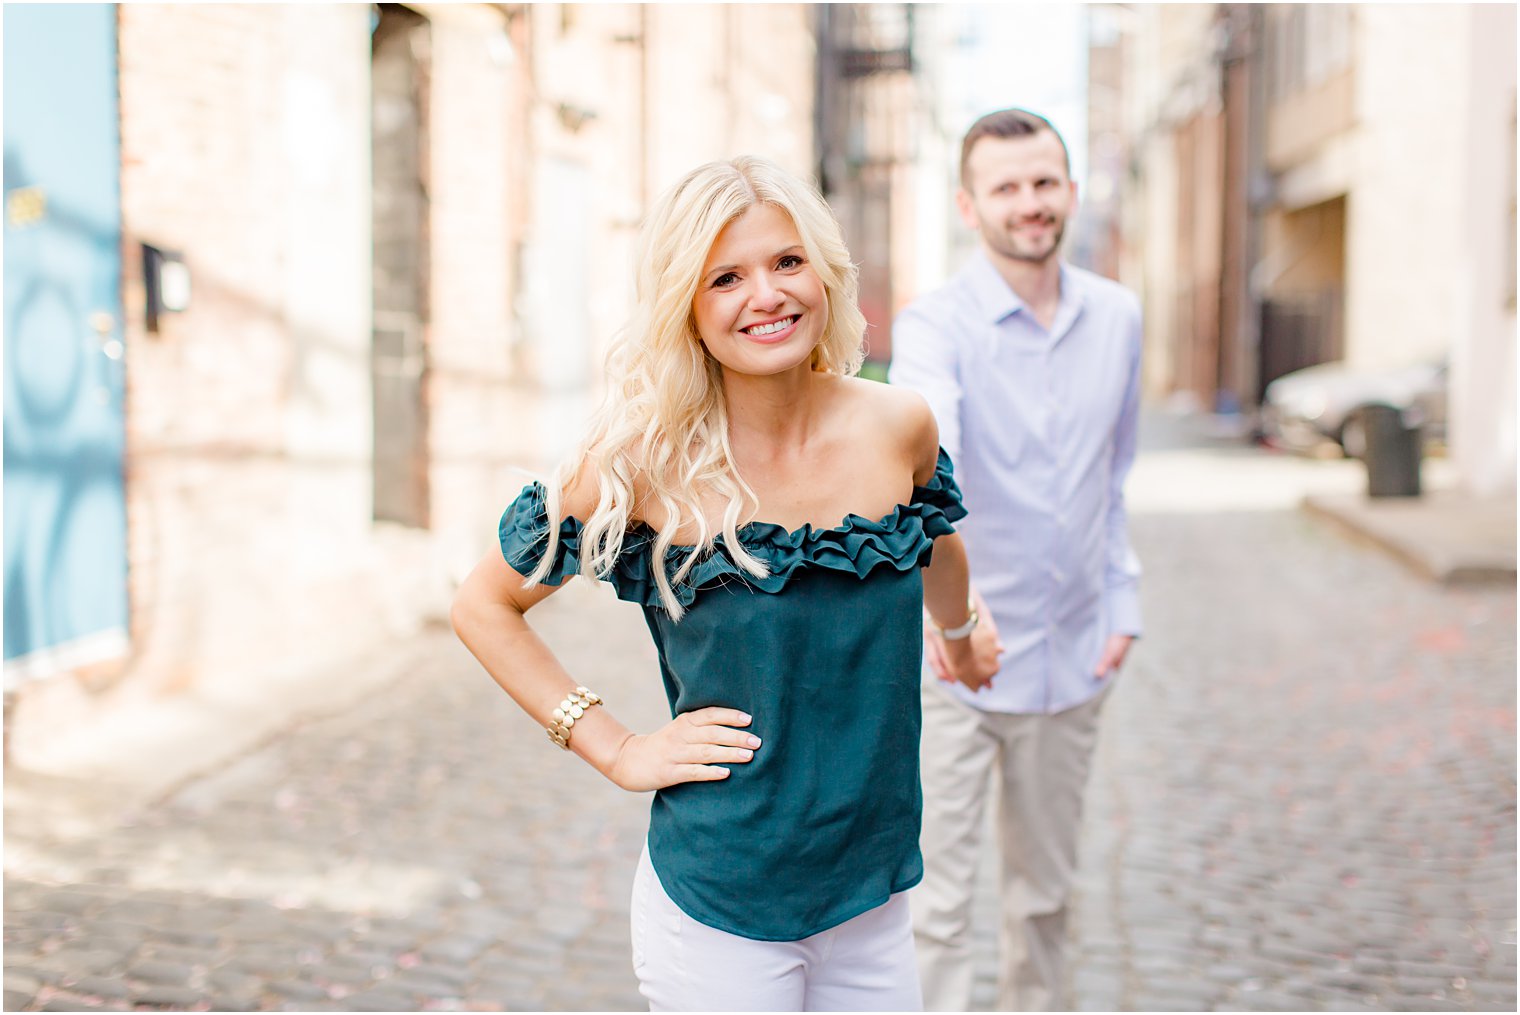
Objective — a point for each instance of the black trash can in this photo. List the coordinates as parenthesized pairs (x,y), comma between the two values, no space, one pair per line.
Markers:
(1393,450)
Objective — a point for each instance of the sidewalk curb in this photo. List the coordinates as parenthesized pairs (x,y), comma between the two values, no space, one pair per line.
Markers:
(1443,536)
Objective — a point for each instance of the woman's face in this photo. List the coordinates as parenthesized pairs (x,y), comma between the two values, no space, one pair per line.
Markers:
(760,308)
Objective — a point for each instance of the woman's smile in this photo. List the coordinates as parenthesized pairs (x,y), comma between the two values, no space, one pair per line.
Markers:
(760,309)
(773,331)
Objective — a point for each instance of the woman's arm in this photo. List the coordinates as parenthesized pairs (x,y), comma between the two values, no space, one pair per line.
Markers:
(973,660)
(948,596)
(488,615)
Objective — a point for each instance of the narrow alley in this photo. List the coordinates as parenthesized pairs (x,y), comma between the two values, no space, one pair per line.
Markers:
(1303,799)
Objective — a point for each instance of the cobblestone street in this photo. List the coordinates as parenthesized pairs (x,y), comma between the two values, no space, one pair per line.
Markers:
(1304,799)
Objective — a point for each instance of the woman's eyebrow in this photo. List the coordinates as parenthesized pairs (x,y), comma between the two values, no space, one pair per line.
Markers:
(720,269)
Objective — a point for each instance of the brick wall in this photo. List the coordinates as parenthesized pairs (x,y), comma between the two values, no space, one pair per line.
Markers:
(244,134)
(254,562)
(477,415)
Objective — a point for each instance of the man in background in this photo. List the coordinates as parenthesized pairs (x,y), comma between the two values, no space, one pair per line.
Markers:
(1032,367)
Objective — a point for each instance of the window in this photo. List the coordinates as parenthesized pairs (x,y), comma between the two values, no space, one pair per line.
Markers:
(1307,44)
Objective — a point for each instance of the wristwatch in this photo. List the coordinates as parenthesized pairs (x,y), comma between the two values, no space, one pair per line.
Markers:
(964,631)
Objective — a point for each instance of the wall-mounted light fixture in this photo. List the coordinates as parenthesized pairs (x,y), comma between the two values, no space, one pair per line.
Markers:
(573,117)
(166,281)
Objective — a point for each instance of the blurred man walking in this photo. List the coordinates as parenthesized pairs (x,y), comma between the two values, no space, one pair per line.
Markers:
(1032,368)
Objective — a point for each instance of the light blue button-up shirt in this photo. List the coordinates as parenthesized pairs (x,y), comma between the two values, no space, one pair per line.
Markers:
(1041,426)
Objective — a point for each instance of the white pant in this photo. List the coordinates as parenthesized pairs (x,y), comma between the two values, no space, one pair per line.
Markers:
(864,964)
(1041,764)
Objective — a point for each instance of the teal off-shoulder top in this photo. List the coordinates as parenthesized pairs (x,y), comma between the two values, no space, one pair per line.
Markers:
(824,653)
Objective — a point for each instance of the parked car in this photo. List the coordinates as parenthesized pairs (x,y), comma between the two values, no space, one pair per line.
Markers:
(1317,408)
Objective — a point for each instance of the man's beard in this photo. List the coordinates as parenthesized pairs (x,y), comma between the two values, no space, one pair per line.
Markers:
(1002,241)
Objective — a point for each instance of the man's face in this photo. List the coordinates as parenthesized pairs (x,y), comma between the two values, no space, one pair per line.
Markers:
(1020,195)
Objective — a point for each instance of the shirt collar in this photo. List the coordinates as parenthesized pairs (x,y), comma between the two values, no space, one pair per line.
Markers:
(998,300)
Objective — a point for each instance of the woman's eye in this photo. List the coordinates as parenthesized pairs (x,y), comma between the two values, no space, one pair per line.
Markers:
(789,261)
(728,278)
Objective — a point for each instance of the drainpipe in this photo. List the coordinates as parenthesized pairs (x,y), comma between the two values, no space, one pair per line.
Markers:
(822,89)
(1258,201)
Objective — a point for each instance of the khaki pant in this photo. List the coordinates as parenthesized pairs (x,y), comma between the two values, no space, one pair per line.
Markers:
(1039,764)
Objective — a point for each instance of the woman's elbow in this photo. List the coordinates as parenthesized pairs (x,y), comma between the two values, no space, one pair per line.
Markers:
(472,607)
(462,612)
(483,602)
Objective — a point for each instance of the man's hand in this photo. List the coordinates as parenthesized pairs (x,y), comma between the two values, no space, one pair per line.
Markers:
(1114,651)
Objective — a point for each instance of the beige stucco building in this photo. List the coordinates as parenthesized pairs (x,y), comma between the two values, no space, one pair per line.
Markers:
(1327,182)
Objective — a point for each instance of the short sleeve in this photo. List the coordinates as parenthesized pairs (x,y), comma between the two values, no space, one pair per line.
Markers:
(524,534)
(940,499)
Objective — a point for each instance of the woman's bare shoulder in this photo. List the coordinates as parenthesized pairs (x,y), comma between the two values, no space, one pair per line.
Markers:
(901,415)
(581,490)
(903,405)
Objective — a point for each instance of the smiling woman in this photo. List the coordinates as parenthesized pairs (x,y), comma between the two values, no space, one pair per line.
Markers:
(761,308)
(784,526)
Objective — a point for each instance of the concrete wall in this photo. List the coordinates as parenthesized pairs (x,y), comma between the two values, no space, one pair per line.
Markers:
(1405,229)
(1482,393)
(1430,235)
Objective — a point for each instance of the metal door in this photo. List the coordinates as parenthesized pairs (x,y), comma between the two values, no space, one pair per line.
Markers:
(65,517)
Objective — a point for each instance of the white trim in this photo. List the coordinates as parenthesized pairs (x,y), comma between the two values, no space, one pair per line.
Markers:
(55,659)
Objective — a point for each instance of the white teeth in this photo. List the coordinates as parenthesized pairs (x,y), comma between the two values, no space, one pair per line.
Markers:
(770,329)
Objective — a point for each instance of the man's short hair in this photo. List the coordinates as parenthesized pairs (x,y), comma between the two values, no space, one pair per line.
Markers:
(1006,123)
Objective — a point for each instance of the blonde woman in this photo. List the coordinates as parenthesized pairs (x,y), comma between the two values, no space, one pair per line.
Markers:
(775,517)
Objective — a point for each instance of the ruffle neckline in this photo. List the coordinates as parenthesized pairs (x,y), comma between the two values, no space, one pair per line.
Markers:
(902,539)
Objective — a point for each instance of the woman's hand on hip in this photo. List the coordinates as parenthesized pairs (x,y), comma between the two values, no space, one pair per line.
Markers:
(692,747)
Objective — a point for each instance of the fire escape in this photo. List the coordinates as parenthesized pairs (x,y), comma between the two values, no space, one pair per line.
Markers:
(863,138)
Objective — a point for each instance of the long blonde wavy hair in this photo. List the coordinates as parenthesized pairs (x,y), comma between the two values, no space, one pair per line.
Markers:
(664,416)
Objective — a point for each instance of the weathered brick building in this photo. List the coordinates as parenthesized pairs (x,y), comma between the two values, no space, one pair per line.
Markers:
(406,230)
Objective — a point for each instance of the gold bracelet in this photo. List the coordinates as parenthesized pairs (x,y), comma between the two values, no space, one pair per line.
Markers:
(572,708)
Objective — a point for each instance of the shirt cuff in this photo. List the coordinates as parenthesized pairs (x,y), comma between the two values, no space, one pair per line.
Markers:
(1123,604)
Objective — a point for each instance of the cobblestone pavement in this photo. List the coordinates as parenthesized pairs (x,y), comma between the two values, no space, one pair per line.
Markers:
(428,849)
(1303,799)
(1304,796)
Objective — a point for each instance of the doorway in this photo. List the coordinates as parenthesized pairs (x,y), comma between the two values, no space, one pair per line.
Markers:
(65,431)
(400,66)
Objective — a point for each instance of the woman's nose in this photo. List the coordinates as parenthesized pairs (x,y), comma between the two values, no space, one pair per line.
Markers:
(765,295)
